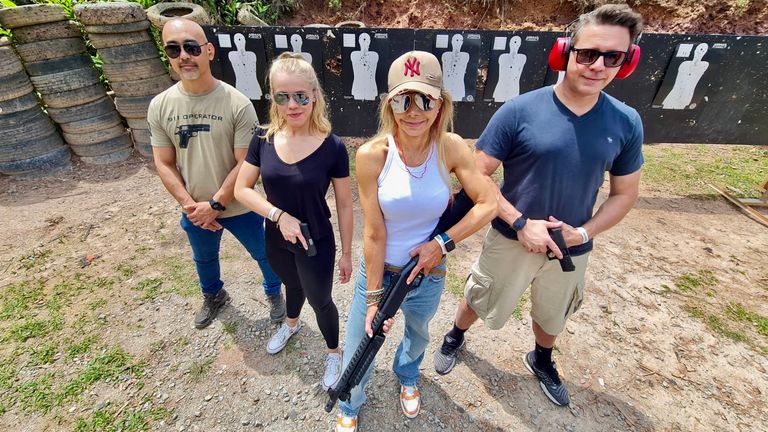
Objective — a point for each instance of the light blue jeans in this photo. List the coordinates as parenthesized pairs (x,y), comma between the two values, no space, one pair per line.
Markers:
(418,309)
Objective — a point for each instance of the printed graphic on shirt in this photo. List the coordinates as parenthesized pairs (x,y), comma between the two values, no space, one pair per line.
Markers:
(185,132)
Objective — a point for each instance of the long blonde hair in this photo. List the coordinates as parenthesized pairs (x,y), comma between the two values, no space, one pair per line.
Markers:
(437,133)
(295,64)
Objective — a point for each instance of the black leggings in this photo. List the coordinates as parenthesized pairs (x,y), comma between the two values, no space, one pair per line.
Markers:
(306,277)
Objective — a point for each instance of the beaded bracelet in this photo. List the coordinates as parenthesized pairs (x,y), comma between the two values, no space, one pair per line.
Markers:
(374,297)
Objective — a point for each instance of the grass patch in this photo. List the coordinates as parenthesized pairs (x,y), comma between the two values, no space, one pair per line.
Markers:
(182,277)
(126,270)
(18,298)
(715,324)
(518,312)
(230,328)
(199,369)
(96,304)
(74,349)
(105,367)
(151,287)
(686,169)
(44,354)
(35,259)
(690,282)
(106,419)
(35,328)
(737,312)
(36,395)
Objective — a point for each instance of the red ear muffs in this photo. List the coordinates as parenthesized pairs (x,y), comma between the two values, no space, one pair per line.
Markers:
(630,64)
(558,57)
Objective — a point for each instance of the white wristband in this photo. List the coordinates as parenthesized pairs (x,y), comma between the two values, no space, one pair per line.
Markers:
(584,235)
(271,215)
(440,241)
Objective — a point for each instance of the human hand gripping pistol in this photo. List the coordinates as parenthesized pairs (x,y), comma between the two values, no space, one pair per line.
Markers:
(311,249)
(185,132)
(369,346)
(566,264)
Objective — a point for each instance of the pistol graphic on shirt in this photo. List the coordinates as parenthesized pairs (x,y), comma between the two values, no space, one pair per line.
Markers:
(185,132)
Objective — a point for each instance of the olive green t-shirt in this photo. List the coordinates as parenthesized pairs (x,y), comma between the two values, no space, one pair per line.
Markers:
(205,129)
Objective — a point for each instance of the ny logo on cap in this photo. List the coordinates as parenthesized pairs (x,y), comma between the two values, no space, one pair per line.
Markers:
(412,64)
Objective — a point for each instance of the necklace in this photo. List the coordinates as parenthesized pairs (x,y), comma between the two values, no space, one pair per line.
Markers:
(405,162)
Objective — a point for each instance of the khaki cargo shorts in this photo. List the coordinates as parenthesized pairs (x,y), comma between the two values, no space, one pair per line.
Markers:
(505,270)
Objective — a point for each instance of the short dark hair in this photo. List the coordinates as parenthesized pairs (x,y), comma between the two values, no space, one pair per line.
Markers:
(611,14)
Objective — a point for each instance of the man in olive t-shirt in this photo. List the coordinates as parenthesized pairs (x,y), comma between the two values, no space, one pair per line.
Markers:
(200,129)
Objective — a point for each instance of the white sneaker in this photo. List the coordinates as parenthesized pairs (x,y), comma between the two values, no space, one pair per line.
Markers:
(332,370)
(410,400)
(278,341)
(346,424)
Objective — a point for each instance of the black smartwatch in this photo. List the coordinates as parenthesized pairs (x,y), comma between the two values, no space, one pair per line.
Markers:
(519,223)
(216,205)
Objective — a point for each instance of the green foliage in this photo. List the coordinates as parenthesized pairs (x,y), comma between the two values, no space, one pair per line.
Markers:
(715,323)
(7,3)
(35,328)
(689,281)
(199,369)
(17,298)
(737,312)
(334,4)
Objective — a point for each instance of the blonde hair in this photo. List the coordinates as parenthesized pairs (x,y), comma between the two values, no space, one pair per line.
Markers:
(438,132)
(294,64)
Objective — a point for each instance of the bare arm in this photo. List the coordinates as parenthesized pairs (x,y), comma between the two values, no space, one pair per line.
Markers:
(226,192)
(244,192)
(343,191)
(369,161)
(165,161)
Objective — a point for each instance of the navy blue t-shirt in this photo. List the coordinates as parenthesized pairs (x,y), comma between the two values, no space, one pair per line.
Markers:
(300,188)
(554,161)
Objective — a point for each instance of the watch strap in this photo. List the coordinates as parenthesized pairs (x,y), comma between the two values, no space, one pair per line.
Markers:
(216,205)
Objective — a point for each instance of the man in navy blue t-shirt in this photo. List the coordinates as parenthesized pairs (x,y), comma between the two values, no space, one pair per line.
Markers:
(555,144)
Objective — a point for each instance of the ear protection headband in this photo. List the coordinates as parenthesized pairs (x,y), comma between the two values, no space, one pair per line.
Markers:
(558,57)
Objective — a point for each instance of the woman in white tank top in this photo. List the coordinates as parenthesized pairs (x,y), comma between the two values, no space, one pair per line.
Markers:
(404,180)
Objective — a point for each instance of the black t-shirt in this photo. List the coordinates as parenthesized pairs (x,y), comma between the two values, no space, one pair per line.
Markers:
(300,188)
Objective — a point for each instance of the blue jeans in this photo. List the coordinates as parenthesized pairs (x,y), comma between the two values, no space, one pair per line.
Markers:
(248,229)
(418,309)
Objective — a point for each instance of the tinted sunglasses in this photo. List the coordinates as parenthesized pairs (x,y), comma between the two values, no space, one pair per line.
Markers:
(192,48)
(282,98)
(402,102)
(611,59)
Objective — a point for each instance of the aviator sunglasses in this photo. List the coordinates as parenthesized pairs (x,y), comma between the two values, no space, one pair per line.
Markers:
(192,48)
(402,102)
(282,98)
(611,59)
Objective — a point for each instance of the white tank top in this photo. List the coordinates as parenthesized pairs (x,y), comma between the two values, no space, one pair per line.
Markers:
(411,202)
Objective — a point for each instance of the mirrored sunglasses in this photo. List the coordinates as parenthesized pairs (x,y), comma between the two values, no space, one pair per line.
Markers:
(282,98)
(192,48)
(611,59)
(402,102)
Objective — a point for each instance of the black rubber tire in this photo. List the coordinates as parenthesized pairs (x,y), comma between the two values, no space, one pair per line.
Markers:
(81,112)
(50,49)
(94,137)
(37,164)
(129,53)
(75,97)
(47,31)
(14,86)
(9,61)
(141,135)
(47,67)
(117,28)
(161,13)
(65,81)
(101,41)
(137,123)
(144,149)
(109,158)
(133,107)
(32,148)
(35,127)
(18,118)
(23,16)
(20,103)
(104,121)
(121,72)
(109,13)
(111,145)
(143,87)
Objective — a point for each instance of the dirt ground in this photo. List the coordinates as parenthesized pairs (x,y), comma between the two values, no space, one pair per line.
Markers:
(637,356)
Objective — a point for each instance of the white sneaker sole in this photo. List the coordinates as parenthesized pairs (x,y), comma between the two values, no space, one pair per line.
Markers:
(275,351)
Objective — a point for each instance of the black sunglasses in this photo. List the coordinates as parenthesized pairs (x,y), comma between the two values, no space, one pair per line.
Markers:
(192,48)
(402,102)
(611,59)
(282,98)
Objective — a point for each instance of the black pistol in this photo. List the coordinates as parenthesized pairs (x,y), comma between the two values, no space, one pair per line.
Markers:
(394,295)
(311,249)
(185,132)
(566,264)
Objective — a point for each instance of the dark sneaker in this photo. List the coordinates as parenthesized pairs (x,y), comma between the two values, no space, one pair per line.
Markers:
(549,381)
(211,306)
(445,357)
(276,308)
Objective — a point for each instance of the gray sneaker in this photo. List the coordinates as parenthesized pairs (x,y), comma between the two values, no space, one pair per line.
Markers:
(445,357)
(277,308)
(333,370)
(279,340)
(548,380)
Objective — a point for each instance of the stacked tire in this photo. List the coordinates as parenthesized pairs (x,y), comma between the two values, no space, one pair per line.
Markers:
(30,146)
(55,58)
(131,63)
